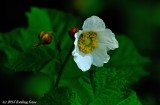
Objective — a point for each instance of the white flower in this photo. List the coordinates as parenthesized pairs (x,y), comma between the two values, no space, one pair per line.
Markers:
(92,44)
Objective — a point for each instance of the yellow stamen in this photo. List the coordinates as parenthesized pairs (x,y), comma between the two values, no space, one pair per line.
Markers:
(87,42)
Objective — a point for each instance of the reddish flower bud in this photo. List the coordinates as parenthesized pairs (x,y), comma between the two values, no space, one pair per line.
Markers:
(45,37)
(72,31)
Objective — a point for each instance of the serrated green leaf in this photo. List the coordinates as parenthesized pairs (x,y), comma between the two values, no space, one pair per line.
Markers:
(108,78)
(128,60)
(132,99)
(108,86)
(32,60)
(60,96)
(112,88)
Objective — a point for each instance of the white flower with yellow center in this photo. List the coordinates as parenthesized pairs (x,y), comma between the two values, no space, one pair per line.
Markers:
(92,44)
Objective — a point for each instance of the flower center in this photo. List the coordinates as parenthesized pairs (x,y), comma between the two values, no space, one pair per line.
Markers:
(87,41)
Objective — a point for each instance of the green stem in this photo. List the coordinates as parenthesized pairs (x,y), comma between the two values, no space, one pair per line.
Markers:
(62,67)
(57,43)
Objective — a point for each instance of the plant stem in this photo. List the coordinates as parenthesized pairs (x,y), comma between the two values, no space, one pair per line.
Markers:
(62,67)
(57,43)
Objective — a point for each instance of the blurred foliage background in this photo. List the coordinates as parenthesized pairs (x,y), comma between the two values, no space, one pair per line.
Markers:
(139,20)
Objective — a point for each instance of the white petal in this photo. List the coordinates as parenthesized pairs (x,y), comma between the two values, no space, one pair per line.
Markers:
(100,55)
(76,49)
(83,62)
(93,23)
(77,37)
(108,38)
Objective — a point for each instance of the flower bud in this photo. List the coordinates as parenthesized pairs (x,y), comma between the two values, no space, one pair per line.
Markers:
(72,31)
(45,37)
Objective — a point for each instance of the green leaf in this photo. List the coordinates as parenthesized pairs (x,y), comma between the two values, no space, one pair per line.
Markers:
(83,88)
(18,44)
(128,60)
(60,96)
(108,87)
(39,20)
(111,88)
(79,82)
(132,99)
(126,54)
(32,60)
